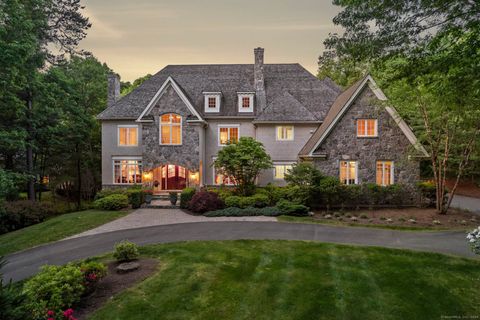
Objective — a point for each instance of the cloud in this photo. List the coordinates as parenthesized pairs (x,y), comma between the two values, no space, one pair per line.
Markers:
(101,29)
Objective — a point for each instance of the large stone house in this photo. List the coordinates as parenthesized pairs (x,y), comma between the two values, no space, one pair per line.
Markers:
(167,132)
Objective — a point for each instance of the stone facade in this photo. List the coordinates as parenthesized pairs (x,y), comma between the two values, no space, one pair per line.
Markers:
(391,144)
(188,153)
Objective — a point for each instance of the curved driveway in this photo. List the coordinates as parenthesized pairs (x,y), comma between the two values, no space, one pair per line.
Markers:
(26,263)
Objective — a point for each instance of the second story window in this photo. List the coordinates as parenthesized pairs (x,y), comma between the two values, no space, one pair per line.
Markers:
(228,134)
(128,136)
(212,101)
(367,128)
(245,102)
(284,133)
(170,129)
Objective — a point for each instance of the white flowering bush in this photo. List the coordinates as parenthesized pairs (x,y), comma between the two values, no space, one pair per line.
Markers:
(474,240)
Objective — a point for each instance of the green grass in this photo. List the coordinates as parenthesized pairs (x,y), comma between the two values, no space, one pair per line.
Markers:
(334,222)
(55,229)
(298,280)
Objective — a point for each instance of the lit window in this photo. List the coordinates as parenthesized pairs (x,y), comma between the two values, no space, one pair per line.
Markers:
(279,170)
(384,173)
(348,172)
(219,178)
(366,127)
(245,102)
(171,129)
(127,171)
(285,133)
(127,135)
(227,134)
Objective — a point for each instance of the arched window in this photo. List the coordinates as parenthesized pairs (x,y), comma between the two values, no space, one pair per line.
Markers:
(171,129)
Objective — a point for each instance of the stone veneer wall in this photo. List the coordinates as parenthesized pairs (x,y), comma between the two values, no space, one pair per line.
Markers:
(391,144)
(154,154)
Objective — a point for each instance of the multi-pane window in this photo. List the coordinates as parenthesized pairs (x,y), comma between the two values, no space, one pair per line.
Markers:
(212,102)
(127,171)
(366,127)
(348,172)
(170,129)
(384,173)
(285,133)
(279,170)
(245,102)
(223,179)
(227,134)
(127,135)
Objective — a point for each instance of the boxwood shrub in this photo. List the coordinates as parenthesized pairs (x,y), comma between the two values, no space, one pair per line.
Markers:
(257,200)
(112,202)
(186,196)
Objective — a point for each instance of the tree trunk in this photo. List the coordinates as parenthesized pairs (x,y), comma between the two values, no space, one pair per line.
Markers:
(79,179)
(29,153)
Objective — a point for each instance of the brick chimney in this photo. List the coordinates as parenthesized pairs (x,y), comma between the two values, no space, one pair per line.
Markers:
(259,79)
(113,93)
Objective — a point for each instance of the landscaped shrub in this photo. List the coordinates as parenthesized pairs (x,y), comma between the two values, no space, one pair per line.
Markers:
(55,288)
(112,202)
(428,192)
(92,273)
(12,300)
(239,212)
(222,191)
(257,200)
(292,209)
(19,214)
(109,191)
(329,189)
(136,197)
(186,196)
(473,239)
(125,251)
(204,201)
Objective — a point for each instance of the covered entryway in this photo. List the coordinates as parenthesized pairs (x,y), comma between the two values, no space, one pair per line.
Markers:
(170,177)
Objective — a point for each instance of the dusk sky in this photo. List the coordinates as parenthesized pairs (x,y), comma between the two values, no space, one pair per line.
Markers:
(139,37)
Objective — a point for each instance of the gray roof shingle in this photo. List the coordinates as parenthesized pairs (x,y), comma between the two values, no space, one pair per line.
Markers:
(291,83)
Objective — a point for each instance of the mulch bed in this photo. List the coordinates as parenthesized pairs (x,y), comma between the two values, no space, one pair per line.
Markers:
(112,284)
(465,188)
(424,217)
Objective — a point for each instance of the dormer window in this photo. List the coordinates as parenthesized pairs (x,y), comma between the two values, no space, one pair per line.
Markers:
(212,101)
(245,101)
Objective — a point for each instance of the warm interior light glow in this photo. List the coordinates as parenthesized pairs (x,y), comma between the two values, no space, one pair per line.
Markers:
(194,177)
(147,176)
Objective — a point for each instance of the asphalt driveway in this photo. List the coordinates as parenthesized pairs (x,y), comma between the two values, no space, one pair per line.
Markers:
(26,263)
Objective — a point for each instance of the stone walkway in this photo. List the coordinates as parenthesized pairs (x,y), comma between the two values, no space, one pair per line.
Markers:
(157,217)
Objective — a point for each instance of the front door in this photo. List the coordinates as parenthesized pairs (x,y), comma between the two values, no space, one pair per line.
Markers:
(174,177)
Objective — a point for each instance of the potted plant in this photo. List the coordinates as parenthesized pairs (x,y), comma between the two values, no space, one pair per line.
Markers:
(173,198)
(148,195)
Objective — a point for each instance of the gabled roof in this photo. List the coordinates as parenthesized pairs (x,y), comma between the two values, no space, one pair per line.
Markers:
(342,104)
(313,94)
(285,108)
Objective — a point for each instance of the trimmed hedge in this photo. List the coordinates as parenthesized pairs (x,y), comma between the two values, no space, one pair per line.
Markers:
(112,202)
(257,200)
(239,212)
(186,196)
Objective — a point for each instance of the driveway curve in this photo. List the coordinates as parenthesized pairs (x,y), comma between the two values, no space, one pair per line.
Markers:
(26,263)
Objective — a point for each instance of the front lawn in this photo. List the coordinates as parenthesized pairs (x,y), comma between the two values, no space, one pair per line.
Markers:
(298,280)
(55,229)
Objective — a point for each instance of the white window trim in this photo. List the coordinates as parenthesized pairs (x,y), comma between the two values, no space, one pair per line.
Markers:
(276,133)
(118,135)
(226,126)
(366,135)
(348,166)
(280,164)
(240,98)
(169,124)
(392,175)
(217,102)
(138,159)
(215,175)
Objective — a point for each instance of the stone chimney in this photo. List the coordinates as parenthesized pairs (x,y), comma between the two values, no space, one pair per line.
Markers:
(113,93)
(259,79)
